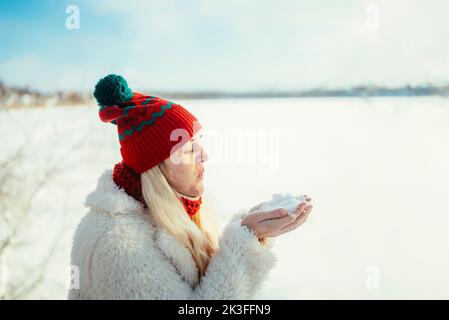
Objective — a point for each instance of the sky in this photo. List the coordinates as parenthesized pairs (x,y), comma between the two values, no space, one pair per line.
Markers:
(224,45)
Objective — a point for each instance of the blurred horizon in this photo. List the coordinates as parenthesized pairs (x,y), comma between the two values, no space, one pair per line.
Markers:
(224,46)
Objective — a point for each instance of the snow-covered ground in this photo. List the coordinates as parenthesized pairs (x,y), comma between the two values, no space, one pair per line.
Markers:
(377,171)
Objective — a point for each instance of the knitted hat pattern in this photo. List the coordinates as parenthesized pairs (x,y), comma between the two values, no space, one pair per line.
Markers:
(149,128)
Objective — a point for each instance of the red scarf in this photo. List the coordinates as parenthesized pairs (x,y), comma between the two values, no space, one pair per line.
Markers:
(129,180)
(192,205)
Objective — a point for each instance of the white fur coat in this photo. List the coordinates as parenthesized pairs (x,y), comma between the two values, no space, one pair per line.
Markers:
(121,254)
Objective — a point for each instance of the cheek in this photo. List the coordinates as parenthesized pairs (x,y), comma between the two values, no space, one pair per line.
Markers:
(184,179)
(184,173)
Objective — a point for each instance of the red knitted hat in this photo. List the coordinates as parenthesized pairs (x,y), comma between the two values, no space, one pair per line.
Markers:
(145,124)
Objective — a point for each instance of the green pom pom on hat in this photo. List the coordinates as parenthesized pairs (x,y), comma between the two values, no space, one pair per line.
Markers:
(112,90)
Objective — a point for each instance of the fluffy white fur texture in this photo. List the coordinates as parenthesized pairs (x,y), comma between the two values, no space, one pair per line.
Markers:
(122,254)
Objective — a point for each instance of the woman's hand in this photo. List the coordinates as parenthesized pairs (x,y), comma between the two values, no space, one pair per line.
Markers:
(276,222)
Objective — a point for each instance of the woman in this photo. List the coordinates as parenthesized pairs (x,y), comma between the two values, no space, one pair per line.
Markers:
(148,234)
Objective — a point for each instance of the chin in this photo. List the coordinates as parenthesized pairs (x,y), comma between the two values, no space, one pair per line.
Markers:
(199,189)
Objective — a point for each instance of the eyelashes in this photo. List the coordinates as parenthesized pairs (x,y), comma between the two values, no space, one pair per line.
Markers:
(190,150)
(192,145)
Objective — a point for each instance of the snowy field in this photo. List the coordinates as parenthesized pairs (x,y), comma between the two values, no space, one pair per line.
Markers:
(377,170)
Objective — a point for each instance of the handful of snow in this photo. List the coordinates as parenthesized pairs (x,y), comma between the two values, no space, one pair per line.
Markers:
(283,200)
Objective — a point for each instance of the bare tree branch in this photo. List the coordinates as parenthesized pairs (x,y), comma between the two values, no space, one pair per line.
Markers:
(15,211)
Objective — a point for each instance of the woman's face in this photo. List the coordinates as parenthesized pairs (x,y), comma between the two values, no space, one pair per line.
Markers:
(186,176)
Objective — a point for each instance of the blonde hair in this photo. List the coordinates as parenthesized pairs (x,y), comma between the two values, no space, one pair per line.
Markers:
(198,234)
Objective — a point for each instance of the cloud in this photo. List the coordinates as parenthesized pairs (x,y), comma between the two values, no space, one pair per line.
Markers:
(293,44)
(36,73)
(251,45)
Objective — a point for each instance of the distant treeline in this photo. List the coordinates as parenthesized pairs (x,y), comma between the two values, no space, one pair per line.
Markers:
(14,97)
(359,91)
(25,97)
